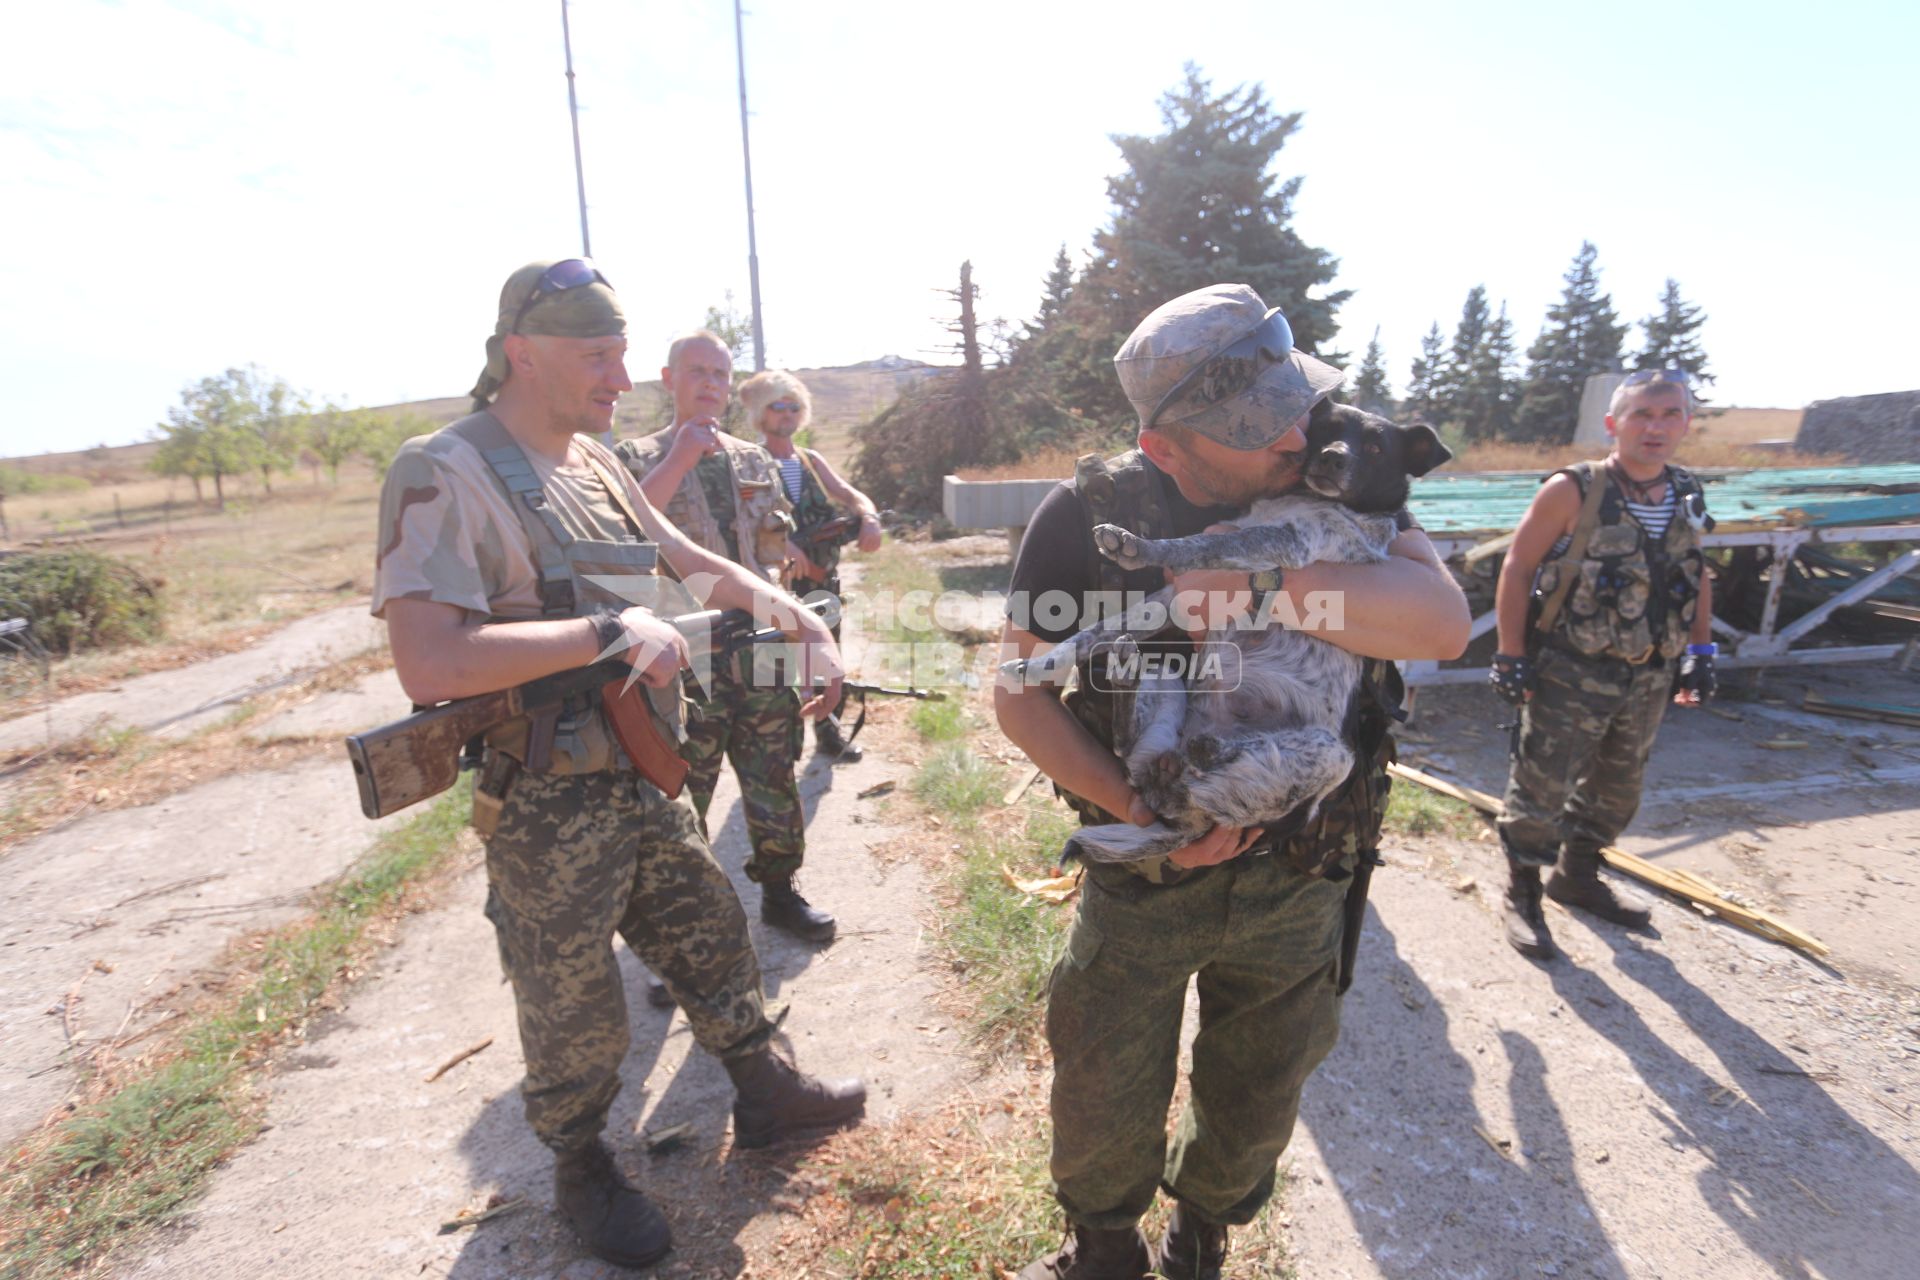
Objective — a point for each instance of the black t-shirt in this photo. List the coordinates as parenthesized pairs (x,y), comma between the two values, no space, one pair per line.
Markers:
(1054,574)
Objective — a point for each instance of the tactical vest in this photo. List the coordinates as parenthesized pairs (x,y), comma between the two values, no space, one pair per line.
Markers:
(1633,596)
(750,505)
(583,741)
(813,510)
(1126,491)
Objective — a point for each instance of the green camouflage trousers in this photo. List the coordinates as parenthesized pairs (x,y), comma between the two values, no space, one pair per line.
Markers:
(758,731)
(1580,753)
(1264,941)
(573,860)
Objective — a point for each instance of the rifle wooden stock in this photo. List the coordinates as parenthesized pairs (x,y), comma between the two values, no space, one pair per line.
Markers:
(405,762)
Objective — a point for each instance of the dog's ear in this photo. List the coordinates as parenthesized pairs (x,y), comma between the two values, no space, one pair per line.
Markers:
(1422,449)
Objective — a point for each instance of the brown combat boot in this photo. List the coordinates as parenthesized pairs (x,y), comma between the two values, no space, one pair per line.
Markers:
(775,1100)
(1194,1249)
(612,1218)
(1095,1254)
(1576,882)
(1526,921)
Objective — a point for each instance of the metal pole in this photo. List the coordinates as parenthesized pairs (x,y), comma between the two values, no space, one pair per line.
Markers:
(573,113)
(746,159)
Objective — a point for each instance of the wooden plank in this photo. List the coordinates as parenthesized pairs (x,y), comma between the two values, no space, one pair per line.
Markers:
(1683,884)
(1862,709)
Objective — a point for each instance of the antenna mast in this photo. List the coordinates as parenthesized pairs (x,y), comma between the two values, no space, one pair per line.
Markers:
(573,113)
(746,159)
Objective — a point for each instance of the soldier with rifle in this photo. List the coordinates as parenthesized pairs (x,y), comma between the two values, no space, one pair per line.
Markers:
(778,406)
(511,544)
(1263,921)
(723,493)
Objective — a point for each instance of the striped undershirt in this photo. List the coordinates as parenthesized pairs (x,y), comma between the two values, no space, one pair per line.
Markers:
(1653,517)
(790,473)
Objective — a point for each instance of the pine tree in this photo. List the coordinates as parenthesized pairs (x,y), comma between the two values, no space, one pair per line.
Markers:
(1673,337)
(1451,382)
(1423,378)
(1487,389)
(1370,389)
(1054,293)
(1581,337)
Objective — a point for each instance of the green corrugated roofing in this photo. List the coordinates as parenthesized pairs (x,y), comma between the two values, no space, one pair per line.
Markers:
(1492,503)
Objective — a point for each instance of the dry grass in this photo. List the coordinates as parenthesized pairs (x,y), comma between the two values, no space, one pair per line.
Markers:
(227,577)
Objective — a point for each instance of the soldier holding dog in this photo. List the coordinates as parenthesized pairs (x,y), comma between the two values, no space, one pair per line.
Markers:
(1611,553)
(1258,916)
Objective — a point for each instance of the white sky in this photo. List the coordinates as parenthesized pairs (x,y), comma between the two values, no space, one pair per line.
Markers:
(335,191)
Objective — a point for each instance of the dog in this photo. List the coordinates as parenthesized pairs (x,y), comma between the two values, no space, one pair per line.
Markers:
(1249,742)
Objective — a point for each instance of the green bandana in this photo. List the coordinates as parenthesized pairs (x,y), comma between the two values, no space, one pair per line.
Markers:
(589,311)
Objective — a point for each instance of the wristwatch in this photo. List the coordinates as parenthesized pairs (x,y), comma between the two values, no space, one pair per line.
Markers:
(1265,585)
(608,631)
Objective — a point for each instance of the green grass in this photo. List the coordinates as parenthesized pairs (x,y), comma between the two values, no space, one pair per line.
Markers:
(958,783)
(131,1159)
(939,721)
(1005,942)
(1412,810)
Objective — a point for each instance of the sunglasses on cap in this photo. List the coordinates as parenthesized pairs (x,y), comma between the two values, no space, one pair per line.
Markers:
(1643,377)
(568,273)
(784,406)
(1230,371)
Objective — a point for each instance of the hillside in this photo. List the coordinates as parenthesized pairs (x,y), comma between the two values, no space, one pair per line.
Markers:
(843,397)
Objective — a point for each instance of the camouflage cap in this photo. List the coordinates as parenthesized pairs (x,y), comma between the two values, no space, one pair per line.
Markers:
(585,311)
(1184,334)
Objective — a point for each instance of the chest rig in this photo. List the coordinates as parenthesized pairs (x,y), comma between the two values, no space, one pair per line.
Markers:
(1126,491)
(731,503)
(568,566)
(1627,595)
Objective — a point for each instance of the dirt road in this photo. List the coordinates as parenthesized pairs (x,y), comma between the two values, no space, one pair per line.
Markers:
(1691,1102)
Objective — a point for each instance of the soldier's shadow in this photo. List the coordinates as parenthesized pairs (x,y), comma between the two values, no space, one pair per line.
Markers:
(1772,1136)
(709,1192)
(1394,1116)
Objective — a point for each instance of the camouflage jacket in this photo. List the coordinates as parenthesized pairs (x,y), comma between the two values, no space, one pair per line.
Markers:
(731,503)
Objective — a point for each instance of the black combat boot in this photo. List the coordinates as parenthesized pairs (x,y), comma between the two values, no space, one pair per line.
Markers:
(612,1218)
(1526,921)
(775,1100)
(833,744)
(1576,882)
(1194,1249)
(782,907)
(1094,1254)
(657,994)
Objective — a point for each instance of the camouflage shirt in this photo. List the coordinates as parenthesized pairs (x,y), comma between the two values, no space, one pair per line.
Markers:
(447,533)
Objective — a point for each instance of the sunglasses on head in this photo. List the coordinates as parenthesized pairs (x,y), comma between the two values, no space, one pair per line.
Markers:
(568,273)
(784,406)
(1230,371)
(1643,377)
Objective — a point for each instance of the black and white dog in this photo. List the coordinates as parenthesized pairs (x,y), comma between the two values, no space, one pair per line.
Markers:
(1247,743)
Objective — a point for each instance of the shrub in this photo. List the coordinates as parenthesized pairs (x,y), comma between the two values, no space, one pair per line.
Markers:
(80,599)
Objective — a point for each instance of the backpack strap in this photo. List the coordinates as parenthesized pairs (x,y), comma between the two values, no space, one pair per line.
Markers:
(546,536)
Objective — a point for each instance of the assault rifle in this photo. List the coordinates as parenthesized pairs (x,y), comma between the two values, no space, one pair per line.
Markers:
(854,688)
(837,532)
(405,762)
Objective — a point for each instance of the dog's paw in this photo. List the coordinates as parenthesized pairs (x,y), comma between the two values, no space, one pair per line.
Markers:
(1204,751)
(1123,548)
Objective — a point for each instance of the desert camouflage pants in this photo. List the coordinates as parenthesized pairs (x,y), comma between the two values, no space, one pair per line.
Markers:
(1264,941)
(758,731)
(1580,754)
(574,860)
